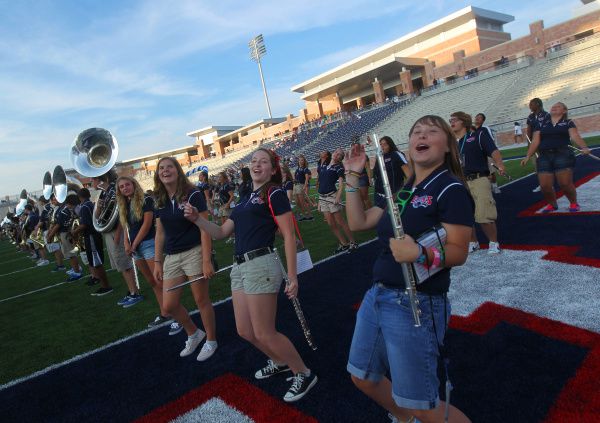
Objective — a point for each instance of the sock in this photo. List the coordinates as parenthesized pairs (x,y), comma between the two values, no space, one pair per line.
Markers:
(212,343)
(307,373)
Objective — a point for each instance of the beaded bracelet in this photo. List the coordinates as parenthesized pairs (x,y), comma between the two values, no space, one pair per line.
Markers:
(351,189)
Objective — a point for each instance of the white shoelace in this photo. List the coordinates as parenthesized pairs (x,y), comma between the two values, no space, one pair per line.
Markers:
(297,384)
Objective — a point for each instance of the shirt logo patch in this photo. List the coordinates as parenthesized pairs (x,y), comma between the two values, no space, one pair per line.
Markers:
(470,139)
(256,200)
(421,201)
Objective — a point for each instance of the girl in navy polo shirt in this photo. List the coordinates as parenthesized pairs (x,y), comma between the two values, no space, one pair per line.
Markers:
(330,200)
(385,339)
(136,214)
(256,275)
(183,252)
(301,186)
(287,184)
(551,138)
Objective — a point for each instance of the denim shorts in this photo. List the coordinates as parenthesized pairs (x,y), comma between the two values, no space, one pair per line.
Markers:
(386,340)
(145,250)
(555,160)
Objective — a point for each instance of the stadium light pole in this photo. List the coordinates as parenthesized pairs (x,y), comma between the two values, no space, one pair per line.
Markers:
(258,50)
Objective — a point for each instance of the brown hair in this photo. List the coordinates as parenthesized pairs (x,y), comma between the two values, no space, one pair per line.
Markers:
(276,178)
(465,118)
(183,184)
(451,160)
(305,163)
(566,113)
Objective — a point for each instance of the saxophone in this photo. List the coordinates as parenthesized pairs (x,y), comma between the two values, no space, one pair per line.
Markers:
(392,208)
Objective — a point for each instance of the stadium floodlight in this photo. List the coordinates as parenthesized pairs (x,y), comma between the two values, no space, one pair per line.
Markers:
(258,50)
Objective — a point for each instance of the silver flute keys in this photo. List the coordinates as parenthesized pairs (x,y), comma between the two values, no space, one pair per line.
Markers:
(392,208)
(297,308)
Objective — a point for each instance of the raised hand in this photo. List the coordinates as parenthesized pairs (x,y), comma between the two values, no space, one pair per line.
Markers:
(356,158)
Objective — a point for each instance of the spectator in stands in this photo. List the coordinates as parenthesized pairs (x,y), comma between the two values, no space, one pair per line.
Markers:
(301,189)
(396,166)
(182,252)
(392,361)
(330,200)
(552,139)
(474,149)
(256,274)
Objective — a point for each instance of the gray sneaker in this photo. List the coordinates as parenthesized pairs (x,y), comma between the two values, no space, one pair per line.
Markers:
(158,320)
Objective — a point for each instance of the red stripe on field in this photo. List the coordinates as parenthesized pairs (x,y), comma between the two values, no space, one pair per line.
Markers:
(532,211)
(558,253)
(237,393)
(579,400)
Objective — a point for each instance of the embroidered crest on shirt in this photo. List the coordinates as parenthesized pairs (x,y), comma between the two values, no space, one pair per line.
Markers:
(421,201)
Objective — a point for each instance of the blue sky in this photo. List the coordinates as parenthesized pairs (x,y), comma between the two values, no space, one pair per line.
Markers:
(150,71)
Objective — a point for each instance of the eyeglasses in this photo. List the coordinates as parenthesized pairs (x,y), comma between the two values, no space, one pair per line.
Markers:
(453,119)
(402,198)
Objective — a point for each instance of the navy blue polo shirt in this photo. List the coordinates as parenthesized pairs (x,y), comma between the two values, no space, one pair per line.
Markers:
(86,213)
(534,119)
(328,177)
(34,219)
(244,189)
(474,148)
(439,198)
(554,136)
(224,191)
(300,175)
(288,186)
(203,186)
(45,216)
(135,226)
(179,233)
(254,224)
(394,160)
(63,218)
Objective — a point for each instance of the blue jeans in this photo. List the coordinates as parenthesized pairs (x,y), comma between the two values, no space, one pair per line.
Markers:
(145,250)
(386,340)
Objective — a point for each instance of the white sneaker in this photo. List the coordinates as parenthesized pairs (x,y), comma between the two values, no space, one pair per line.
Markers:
(536,189)
(494,248)
(208,349)
(192,343)
(473,246)
(496,189)
(42,262)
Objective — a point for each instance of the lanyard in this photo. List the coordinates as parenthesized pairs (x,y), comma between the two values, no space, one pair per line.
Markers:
(464,141)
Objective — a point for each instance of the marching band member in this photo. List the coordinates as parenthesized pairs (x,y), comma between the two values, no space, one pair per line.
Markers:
(396,166)
(225,192)
(92,239)
(53,230)
(64,218)
(182,252)
(31,222)
(552,137)
(287,183)
(256,276)
(41,228)
(301,189)
(112,239)
(330,200)
(385,337)
(136,215)
(245,187)
(204,186)
(474,150)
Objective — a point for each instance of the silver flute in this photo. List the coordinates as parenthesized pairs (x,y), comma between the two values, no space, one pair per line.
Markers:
(392,208)
(297,308)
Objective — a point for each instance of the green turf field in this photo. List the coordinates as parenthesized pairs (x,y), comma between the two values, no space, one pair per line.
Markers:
(54,324)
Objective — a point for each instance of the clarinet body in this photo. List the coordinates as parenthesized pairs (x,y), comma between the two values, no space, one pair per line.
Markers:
(392,208)
(297,308)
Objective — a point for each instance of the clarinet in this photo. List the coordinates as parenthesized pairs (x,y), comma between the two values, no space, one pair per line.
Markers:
(392,207)
(297,308)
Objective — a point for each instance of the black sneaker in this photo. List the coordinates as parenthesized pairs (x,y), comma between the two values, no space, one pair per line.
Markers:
(301,384)
(271,369)
(158,320)
(353,246)
(102,291)
(341,248)
(92,281)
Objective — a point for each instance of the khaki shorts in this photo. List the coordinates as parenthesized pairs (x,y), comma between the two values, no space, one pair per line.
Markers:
(485,205)
(66,246)
(186,263)
(298,189)
(261,275)
(116,252)
(326,203)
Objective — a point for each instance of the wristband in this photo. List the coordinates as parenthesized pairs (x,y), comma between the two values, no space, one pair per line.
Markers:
(422,259)
(437,258)
(350,190)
